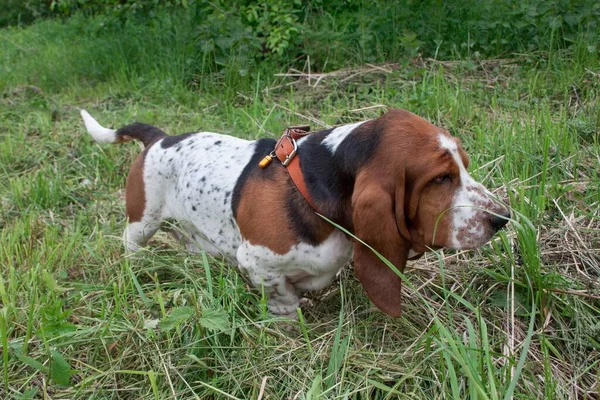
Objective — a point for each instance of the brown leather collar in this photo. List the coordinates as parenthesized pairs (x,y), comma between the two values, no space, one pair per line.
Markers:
(286,152)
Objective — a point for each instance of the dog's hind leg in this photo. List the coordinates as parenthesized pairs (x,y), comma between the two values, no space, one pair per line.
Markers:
(137,234)
(144,204)
(144,207)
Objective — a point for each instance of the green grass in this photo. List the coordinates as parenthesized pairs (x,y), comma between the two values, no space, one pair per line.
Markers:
(78,319)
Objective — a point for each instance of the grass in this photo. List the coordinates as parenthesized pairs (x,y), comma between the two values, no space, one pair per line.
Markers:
(518,318)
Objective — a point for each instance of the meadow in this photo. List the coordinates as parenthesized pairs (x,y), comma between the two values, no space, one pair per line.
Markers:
(79,319)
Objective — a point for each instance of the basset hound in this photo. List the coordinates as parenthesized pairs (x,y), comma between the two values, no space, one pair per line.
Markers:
(397,182)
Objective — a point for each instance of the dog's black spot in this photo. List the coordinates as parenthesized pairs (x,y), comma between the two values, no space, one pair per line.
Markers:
(218,143)
(171,141)
(147,134)
(193,208)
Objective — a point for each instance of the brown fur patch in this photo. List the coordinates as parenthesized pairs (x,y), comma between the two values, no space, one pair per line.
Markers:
(135,191)
(406,162)
(396,207)
(124,138)
(263,217)
(376,224)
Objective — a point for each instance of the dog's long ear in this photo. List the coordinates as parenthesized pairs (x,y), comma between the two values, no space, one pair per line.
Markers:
(376,221)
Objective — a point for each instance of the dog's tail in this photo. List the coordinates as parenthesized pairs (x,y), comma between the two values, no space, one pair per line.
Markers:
(147,134)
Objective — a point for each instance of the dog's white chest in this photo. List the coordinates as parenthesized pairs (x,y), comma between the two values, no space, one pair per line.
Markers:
(303,265)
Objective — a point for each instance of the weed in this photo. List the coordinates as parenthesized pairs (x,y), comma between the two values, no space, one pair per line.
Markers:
(518,318)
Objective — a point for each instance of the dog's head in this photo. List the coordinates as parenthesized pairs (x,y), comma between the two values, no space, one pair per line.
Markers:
(413,195)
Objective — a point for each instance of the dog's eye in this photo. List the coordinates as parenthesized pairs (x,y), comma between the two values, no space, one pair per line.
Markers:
(443,179)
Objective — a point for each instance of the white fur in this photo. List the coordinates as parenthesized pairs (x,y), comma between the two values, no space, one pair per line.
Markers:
(193,182)
(98,132)
(304,268)
(470,225)
(337,136)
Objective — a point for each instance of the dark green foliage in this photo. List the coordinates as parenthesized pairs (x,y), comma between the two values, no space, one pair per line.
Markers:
(383,30)
(334,30)
(23,12)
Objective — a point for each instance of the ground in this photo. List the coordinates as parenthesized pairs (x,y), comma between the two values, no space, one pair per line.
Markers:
(80,319)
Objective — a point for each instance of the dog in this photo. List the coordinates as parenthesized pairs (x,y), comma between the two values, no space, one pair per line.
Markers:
(398,183)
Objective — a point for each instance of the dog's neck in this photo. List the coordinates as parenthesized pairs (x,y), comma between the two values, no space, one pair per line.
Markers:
(330,175)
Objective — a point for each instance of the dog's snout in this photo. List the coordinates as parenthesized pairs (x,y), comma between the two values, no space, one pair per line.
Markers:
(498,221)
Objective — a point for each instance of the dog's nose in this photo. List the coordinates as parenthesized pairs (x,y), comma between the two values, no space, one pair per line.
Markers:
(499,220)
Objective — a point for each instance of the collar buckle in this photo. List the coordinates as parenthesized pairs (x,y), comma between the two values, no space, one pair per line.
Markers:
(292,154)
(286,151)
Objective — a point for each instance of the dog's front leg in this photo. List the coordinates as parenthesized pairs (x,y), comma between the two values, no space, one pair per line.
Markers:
(283,299)
(262,269)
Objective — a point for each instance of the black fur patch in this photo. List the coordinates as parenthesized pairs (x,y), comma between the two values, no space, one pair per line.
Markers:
(330,177)
(302,216)
(171,141)
(147,134)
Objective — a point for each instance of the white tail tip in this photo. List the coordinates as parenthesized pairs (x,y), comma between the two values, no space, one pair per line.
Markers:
(98,132)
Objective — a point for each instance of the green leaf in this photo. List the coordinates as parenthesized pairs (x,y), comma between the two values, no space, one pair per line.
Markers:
(197,360)
(316,389)
(56,329)
(338,352)
(29,394)
(556,23)
(60,371)
(215,320)
(32,362)
(176,317)
(384,387)
(572,19)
